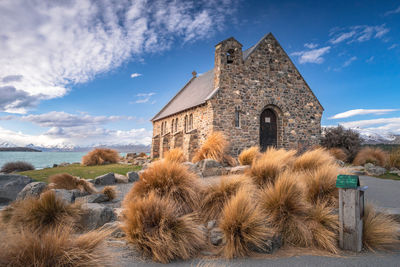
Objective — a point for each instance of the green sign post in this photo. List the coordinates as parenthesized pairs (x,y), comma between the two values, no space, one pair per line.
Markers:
(347,181)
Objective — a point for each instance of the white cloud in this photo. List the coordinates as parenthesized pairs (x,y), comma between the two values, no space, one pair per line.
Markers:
(144,98)
(51,45)
(370,59)
(393,46)
(382,125)
(134,75)
(394,11)
(359,33)
(349,61)
(310,45)
(312,56)
(342,37)
(355,112)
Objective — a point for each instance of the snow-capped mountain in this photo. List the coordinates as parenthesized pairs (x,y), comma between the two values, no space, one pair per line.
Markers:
(7,144)
(372,137)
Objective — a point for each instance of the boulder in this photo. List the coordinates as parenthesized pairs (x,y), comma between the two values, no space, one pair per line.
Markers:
(78,193)
(340,163)
(373,170)
(216,236)
(395,171)
(121,179)
(131,155)
(66,195)
(132,176)
(239,169)
(269,246)
(95,215)
(94,198)
(32,190)
(116,229)
(211,224)
(210,167)
(90,181)
(11,185)
(105,179)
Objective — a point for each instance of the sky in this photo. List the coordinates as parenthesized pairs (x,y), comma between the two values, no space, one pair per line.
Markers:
(82,72)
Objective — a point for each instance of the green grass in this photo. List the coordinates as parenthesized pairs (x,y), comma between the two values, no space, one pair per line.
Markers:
(87,172)
(390,176)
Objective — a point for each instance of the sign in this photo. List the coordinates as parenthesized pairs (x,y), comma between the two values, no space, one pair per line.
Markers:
(347,181)
(267,119)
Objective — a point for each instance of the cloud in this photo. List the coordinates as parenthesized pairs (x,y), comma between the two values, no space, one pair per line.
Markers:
(16,101)
(12,78)
(355,112)
(349,61)
(393,46)
(382,125)
(310,45)
(144,98)
(56,44)
(394,11)
(342,37)
(370,59)
(134,75)
(360,33)
(312,56)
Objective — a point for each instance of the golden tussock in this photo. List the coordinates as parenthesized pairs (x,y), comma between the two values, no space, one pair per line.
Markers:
(110,192)
(69,182)
(247,156)
(375,156)
(394,158)
(100,156)
(313,159)
(175,155)
(338,153)
(214,148)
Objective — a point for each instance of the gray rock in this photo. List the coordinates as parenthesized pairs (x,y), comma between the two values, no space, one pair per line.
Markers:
(95,215)
(117,231)
(211,224)
(239,169)
(66,195)
(373,170)
(105,179)
(11,185)
(121,179)
(340,163)
(140,172)
(94,198)
(269,246)
(32,190)
(192,168)
(78,193)
(210,167)
(90,180)
(216,236)
(132,176)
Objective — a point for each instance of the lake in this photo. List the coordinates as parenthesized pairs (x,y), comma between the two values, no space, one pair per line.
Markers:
(42,159)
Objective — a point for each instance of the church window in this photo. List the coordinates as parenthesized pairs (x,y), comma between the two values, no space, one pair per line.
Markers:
(172,126)
(229,56)
(176,124)
(186,123)
(191,122)
(237,118)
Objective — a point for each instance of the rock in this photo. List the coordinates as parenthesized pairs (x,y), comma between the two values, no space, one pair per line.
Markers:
(373,170)
(131,155)
(117,231)
(132,176)
(239,169)
(78,193)
(33,189)
(63,164)
(11,185)
(210,167)
(140,172)
(269,247)
(118,213)
(105,179)
(121,179)
(90,180)
(192,168)
(211,224)
(55,165)
(66,195)
(395,171)
(94,198)
(216,236)
(340,163)
(95,215)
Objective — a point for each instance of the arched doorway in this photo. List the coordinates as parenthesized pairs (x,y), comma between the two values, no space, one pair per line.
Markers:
(268,129)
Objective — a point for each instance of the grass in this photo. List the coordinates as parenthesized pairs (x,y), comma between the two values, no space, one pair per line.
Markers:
(247,156)
(87,172)
(375,156)
(390,176)
(17,166)
(69,182)
(175,155)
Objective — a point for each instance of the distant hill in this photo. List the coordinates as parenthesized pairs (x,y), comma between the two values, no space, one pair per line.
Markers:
(19,149)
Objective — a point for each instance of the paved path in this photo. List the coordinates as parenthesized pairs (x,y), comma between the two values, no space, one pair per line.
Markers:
(382,192)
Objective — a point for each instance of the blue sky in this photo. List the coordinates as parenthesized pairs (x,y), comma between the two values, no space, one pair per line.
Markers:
(88,72)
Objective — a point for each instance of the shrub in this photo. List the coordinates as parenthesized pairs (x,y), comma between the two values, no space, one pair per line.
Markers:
(155,226)
(215,147)
(338,153)
(171,180)
(175,155)
(16,166)
(43,213)
(247,156)
(142,155)
(269,165)
(313,160)
(243,226)
(346,139)
(110,192)
(380,230)
(69,182)
(100,156)
(56,247)
(394,158)
(217,194)
(375,156)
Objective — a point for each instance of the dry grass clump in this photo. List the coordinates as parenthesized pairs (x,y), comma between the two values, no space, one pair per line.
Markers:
(247,156)
(217,194)
(175,155)
(100,156)
(338,153)
(56,247)
(380,230)
(313,159)
(110,192)
(375,156)
(155,226)
(394,158)
(43,213)
(214,147)
(69,182)
(269,165)
(16,166)
(244,226)
(171,180)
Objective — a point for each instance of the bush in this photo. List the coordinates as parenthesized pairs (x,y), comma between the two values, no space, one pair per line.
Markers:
(16,166)
(155,226)
(175,155)
(338,153)
(100,156)
(394,158)
(339,137)
(247,156)
(313,160)
(375,156)
(171,180)
(110,192)
(243,226)
(56,247)
(69,182)
(215,147)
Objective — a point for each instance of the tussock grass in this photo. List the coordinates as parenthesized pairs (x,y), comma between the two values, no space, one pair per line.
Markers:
(16,166)
(155,226)
(110,192)
(380,230)
(338,153)
(313,159)
(375,156)
(171,180)
(69,182)
(214,147)
(247,156)
(269,165)
(394,158)
(57,247)
(243,225)
(100,156)
(43,213)
(216,195)
(175,155)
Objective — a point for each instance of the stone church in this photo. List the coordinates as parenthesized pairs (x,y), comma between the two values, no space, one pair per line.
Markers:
(255,97)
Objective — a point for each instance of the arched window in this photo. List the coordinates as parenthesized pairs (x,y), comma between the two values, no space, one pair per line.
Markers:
(176,124)
(165,127)
(191,122)
(186,123)
(172,126)
(230,56)
(237,118)
(162,128)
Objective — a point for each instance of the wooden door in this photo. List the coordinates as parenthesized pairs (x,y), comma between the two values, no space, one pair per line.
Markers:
(268,129)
